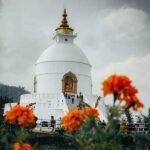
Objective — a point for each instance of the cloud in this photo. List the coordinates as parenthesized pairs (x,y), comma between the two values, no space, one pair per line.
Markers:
(125,22)
(116,34)
(135,68)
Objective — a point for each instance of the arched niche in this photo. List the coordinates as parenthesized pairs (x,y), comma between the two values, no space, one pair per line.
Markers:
(69,83)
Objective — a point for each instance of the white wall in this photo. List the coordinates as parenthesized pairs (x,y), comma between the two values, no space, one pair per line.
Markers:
(49,76)
(47,105)
(55,104)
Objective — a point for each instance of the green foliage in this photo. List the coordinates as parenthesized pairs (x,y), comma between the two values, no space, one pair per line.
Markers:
(5,136)
(129,116)
(142,142)
(10,134)
(93,136)
(50,141)
(12,92)
(144,119)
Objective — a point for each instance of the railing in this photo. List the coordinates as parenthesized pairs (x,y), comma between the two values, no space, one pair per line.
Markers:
(142,128)
(44,125)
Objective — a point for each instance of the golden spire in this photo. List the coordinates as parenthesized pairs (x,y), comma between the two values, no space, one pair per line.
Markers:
(64,27)
(64,22)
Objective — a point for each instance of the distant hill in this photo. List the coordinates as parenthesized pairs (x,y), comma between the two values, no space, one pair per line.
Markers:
(12,92)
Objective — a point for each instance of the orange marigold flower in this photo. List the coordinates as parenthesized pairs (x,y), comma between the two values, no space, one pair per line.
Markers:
(20,115)
(18,146)
(73,120)
(27,147)
(115,83)
(121,86)
(133,102)
(91,112)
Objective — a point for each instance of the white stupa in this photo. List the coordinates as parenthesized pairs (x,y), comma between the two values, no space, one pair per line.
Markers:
(62,68)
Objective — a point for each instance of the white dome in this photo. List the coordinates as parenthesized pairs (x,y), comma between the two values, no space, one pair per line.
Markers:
(63,59)
(66,52)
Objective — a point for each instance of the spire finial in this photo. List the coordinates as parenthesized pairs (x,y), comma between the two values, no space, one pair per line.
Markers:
(64,24)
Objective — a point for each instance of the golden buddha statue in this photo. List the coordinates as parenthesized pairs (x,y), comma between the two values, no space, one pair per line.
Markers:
(68,84)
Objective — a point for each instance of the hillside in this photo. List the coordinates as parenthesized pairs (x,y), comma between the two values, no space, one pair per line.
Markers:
(12,92)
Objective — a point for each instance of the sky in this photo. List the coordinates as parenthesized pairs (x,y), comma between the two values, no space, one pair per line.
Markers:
(114,35)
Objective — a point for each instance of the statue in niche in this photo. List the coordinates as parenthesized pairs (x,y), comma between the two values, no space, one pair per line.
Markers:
(68,84)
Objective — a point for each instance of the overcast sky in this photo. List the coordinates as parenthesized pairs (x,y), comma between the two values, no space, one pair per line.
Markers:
(114,35)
